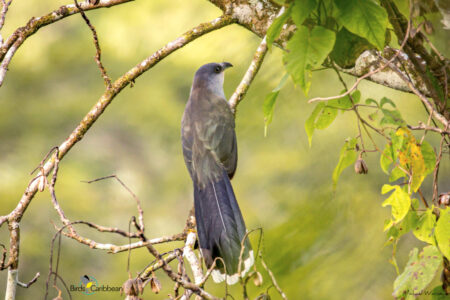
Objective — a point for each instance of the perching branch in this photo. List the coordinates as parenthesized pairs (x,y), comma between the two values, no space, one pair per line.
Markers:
(252,70)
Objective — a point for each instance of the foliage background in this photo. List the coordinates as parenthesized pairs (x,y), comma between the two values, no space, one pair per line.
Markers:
(319,243)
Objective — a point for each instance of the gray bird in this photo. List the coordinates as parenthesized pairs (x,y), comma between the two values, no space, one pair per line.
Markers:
(210,154)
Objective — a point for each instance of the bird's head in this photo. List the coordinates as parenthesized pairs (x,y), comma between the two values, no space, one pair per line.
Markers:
(211,76)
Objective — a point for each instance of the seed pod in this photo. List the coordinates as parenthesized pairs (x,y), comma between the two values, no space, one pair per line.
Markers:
(155,284)
(429,29)
(129,288)
(360,166)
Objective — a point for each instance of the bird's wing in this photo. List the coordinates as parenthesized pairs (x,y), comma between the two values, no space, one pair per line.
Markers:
(216,133)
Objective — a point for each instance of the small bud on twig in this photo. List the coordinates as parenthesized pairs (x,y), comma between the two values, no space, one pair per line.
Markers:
(257,279)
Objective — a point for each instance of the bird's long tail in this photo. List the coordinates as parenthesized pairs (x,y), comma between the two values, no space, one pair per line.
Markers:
(221,229)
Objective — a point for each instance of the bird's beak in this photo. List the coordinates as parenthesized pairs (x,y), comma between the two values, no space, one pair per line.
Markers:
(226,65)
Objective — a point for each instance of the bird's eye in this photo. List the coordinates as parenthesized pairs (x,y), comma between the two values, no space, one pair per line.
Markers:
(217,69)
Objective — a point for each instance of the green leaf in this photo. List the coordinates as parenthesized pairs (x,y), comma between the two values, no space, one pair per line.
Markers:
(365,18)
(438,293)
(396,174)
(408,223)
(386,158)
(443,232)
(429,157)
(269,103)
(399,200)
(307,49)
(425,226)
(419,272)
(345,102)
(370,100)
(301,10)
(348,48)
(277,25)
(385,100)
(268,107)
(391,117)
(310,122)
(326,117)
(346,158)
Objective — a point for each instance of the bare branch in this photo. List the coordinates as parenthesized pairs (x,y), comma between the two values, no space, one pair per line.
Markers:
(436,172)
(98,52)
(188,253)
(272,277)
(252,70)
(136,198)
(422,97)
(423,126)
(27,285)
(3,11)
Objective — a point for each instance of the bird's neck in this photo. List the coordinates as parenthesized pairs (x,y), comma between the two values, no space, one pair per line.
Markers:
(210,87)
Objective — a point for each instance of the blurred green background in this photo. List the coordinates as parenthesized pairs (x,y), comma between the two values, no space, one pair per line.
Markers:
(320,244)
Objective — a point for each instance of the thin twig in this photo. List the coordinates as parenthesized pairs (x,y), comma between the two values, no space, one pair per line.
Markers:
(136,198)
(272,277)
(422,126)
(436,172)
(5,6)
(98,52)
(29,283)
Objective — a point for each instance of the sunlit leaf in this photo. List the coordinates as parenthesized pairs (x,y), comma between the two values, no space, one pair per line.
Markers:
(307,49)
(399,200)
(365,18)
(347,158)
(326,117)
(417,166)
(386,158)
(443,232)
(425,227)
(277,25)
(429,157)
(345,102)
(310,122)
(370,100)
(269,103)
(396,174)
(418,273)
(301,10)
(391,117)
(385,100)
